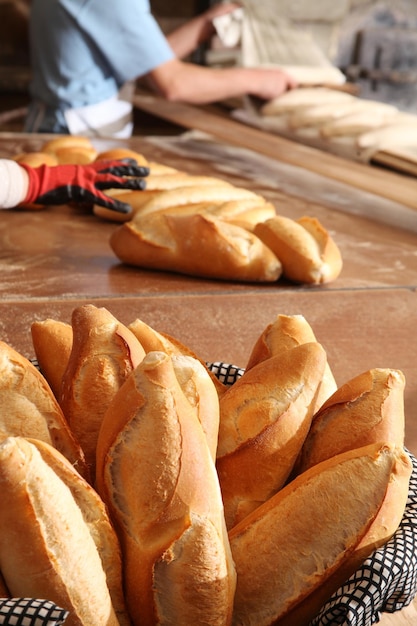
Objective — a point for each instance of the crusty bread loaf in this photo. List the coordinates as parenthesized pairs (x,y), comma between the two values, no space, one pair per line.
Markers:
(76,155)
(103,354)
(198,245)
(52,342)
(152,340)
(96,518)
(288,331)
(195,194)
(307,252)
(48,534)
(264,419)
(122,153)
(182,179)
(135,198)
(157,476)
(35,159)
(367,409)
(309,532)
(29,408)
(66,141)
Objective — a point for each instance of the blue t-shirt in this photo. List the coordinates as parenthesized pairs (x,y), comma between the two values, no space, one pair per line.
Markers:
(83,51)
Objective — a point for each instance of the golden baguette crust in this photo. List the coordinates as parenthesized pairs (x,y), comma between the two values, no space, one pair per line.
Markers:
(52,342)
(367,409)
(35,159)
(181,179)
(96,518)
(197,245)
(196,194)
(310,530)
(264,419)
(135,198)
(152,341)
(66,141)
(75,155)
(285,332)
(103,354)
(29,408)
(306,250)
(46,548)
(155,472)
(122,153)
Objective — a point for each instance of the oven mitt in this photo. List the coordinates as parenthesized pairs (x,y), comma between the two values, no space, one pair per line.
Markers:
(84,183)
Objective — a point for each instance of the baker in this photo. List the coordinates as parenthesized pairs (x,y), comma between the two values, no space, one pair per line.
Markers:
(85,53)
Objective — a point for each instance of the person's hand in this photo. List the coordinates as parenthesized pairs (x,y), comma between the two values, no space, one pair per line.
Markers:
(84,183)
(268,83)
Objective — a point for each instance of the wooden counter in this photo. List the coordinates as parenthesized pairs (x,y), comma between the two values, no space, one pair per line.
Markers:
(53,260)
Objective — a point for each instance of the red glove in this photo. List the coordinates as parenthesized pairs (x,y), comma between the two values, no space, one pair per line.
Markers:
(83,183)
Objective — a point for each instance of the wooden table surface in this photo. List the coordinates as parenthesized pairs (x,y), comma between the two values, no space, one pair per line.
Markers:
(53,260)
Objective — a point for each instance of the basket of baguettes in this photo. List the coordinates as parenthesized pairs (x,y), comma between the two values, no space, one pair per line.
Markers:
(142,486)
(203,225)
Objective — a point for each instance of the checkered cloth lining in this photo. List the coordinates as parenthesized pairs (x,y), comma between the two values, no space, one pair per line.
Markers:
(30,612)
(387,580)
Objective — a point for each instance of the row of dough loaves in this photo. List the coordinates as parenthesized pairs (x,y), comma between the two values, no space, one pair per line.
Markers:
(339,121)
(137,489)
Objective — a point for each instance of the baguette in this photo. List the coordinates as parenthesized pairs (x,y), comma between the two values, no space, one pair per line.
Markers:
(285,332)
(103,354)
(181,179)
(120,154)
(306,250)
(197,245)
(264,419)
(52,342)
(35,159)
(195,194)
(47,549)
(29,408)
(367,409)
(135,198)
(310,532)
(156,474)
(154,341)
(66,141)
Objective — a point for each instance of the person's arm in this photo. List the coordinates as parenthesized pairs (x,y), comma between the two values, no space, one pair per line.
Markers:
(176,80)
(186,38)
(61,184)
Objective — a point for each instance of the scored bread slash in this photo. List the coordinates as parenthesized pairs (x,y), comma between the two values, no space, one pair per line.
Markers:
(366,409)
(286,332)
(103,354)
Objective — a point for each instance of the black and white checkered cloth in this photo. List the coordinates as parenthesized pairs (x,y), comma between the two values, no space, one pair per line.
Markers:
(387,580)
(30,612)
